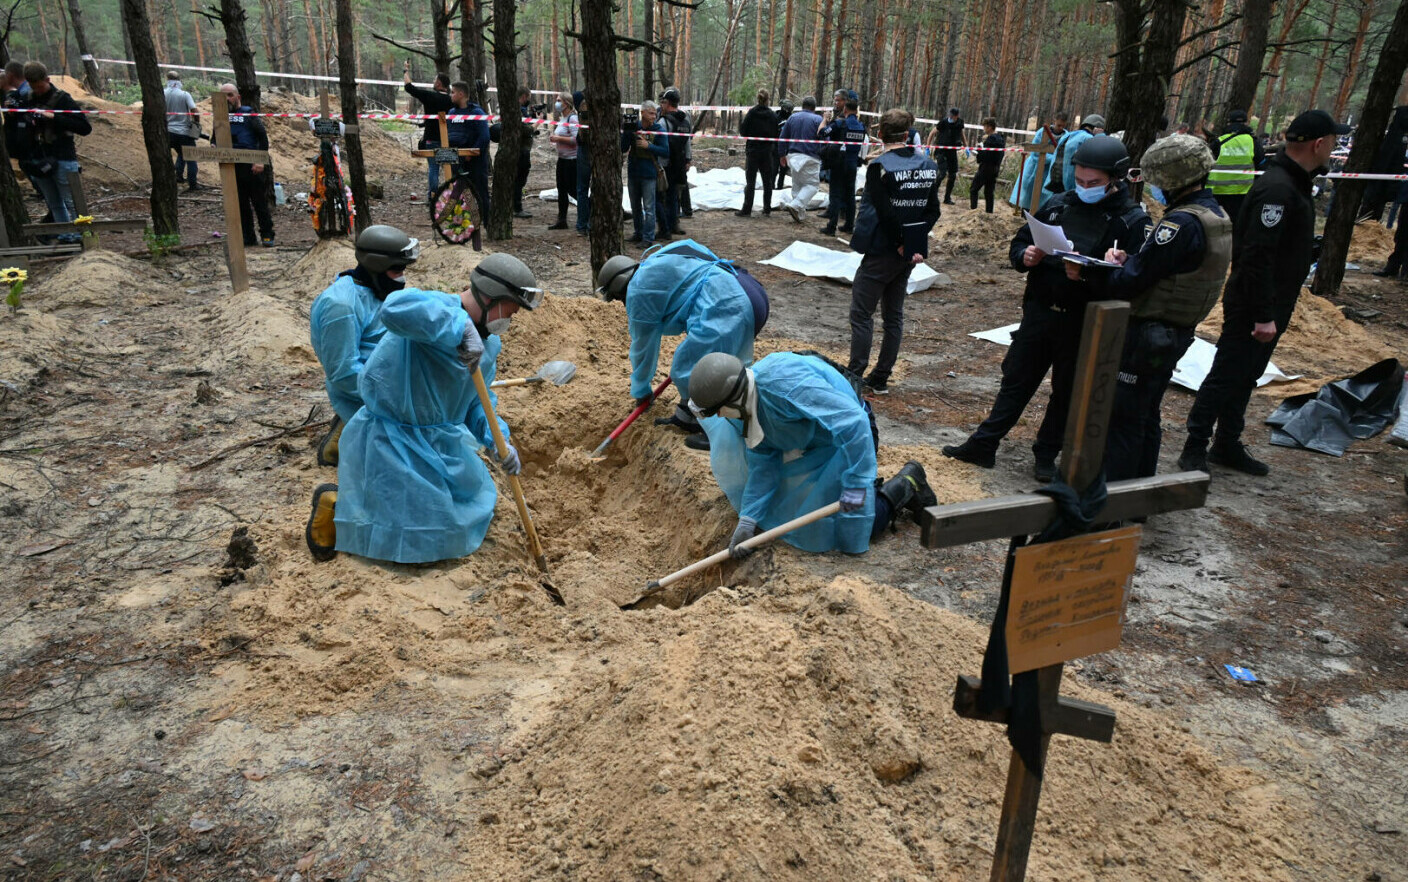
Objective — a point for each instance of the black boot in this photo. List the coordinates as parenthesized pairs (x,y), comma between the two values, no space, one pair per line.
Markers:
(977,454)
(1194,457)
(1044,470)
(909,491)
(1234,456)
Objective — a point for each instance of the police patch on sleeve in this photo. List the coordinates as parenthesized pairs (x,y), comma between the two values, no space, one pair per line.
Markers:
(1164,232)
(1271,214)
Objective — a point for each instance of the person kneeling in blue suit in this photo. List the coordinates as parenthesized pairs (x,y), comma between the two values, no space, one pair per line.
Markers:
(791,435)
(411,486)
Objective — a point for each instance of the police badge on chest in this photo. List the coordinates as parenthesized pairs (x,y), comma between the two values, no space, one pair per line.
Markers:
(1271,215)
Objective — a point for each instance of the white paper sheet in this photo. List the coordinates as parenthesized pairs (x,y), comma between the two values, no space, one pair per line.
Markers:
(1047,237)
(813,260)
(1189,373)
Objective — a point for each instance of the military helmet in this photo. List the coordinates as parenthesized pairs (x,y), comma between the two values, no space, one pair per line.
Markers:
(1103,153)
(383,247)
(1175,162)
(787,106)
(718,380)
(502,276)
(614,276)
(1094,121)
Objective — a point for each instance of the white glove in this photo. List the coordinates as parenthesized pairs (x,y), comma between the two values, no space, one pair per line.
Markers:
(471,348)
(510,463)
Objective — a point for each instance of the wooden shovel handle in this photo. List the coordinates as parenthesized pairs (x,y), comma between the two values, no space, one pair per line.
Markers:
(760,539)
(535,548)
(522,381)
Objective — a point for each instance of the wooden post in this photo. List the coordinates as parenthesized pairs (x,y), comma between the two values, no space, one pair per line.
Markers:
(234,233)
(445,155)
(1040,150)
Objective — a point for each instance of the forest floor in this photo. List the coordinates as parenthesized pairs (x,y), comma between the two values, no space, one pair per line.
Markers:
(184,694)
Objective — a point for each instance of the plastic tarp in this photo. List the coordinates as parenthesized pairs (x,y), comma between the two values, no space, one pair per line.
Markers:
(1189,373)
(1341,412)
(717,189)
(813,260)
(1399,435)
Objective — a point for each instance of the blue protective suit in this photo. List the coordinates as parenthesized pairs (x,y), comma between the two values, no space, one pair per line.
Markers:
(1071,142)
(411,486)
(345,326)
(678,293)
(816,443)
(1022,194)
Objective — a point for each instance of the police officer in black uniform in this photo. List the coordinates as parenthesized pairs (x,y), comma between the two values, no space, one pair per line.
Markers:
(1099,214)
(247,133)
(759,156)
(899,208)
(850,131)
(948,134)
(784,110)
(1172,283)
(1271,256)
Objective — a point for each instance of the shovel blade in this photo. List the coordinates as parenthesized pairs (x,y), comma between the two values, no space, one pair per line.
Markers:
(559,373)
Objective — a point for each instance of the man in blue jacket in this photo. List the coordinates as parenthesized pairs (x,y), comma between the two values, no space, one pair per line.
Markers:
(798,144)
(647,149)
(247,133)
(466,132)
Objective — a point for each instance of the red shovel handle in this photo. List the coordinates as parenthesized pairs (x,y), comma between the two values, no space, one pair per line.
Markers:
(635,415)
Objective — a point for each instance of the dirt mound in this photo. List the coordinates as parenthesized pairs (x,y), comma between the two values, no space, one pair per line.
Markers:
(115,156)
(98,279)
(1320,345)
(976,233)
(1372,244)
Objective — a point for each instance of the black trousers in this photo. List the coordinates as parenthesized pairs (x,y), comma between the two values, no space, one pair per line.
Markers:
(477,169)
(947,158)
(1047,339)
(882,280)
(755,165)
(1151,352)
(525,162)
(1232,204)
(842,197)
(986,179)
(566,186)
(250,189)
(781,171)
(1241,359)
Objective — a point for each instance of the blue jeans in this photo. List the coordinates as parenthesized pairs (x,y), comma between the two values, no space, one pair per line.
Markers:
(584,183)
(58,197)
(642,193)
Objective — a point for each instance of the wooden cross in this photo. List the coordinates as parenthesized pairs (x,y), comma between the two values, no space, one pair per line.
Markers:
(1037,182)
(327,128)
(446,155)
(1064,599)
(228,158)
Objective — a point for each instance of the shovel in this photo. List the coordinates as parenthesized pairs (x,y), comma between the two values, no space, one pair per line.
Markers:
(559,373)
(655,587)
(535,547)
(600,453)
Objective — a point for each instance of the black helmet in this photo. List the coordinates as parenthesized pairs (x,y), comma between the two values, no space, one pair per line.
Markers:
(383,247)
(1105,154)
(718,380)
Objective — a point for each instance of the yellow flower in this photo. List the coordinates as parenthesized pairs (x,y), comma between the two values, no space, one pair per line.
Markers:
(83,219)
(11,275)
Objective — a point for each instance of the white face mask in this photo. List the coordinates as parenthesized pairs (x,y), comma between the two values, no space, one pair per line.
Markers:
(498,325)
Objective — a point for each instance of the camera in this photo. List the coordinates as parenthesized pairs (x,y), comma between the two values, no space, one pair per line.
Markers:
(537,111)
(630,121)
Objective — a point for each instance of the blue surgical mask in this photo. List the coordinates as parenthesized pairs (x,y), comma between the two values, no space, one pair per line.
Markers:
(557,105)
(1158,195)
(1090,195)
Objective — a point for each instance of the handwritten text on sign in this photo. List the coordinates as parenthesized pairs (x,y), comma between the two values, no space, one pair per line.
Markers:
(1068,598)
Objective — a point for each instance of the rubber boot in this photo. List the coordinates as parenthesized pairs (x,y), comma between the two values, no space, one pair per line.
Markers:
(327,448)
(699,441)
(681,419)
(1234,456)
(321,532)
(977,454)
(1194,457)
(909,491)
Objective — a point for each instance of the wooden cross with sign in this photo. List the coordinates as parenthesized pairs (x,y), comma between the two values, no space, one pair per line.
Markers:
(228,159)
(1041,150)
(445,155)
(1061,600)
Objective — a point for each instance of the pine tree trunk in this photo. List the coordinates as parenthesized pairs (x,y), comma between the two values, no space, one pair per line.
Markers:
(820,44)
(12,202)
(1351,68)
(950,59)
(232,16)
(313,59)
(499,224)
(347,90)
(1141,76)
(127,52)
(1275,80)
(785,62)
(163,200)
(1256,22)
(440,34)
(91,78)
(603,129)
(471,42)
(647,61)
(1373,120)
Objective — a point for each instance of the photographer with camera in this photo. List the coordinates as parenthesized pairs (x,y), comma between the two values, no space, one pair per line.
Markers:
(434,100)
(643,139)
(47,152)
(525,153)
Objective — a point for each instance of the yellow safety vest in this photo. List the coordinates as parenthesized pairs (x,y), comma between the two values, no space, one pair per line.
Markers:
(1231,174)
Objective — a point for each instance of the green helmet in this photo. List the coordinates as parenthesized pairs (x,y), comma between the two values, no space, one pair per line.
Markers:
(1176,162)
(383,247)
(718,380)
(615,275)
(502,276)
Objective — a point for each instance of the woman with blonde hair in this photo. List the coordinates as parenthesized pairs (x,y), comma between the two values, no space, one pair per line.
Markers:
(564,139)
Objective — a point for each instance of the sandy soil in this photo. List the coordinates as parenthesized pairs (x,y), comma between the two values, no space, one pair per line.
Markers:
(185,694)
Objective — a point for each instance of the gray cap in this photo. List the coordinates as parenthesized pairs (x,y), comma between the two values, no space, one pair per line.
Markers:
(718,380)
(1176,162)
(1094,120)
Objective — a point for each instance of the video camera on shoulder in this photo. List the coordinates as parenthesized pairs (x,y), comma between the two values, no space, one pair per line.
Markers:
(537,111)
(630,121)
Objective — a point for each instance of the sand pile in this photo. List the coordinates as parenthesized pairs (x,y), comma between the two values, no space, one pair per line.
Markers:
(976,233)
(115,156)
(1372,244)
(99,280)
(1320,345)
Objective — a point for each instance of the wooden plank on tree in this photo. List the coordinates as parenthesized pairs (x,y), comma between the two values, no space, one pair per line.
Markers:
(1005,516)
(226,154)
